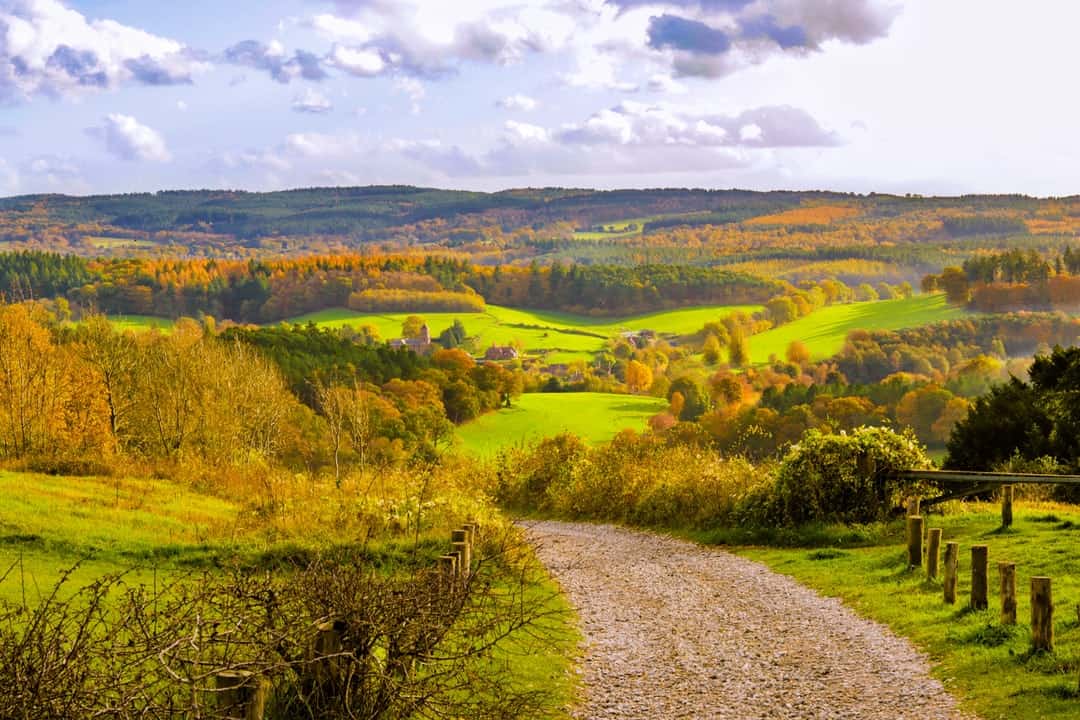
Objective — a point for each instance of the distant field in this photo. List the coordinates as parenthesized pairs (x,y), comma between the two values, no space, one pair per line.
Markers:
(567,336)
(621,228)
(115,243)
(824,331)
(596,417)
(140,322)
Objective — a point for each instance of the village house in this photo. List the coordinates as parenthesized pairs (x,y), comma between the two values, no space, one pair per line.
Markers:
(501,352)
(420,345)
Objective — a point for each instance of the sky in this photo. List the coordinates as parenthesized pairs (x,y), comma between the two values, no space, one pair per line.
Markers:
(922,96)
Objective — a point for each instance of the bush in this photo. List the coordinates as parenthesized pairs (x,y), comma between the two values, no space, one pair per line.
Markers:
(847,478)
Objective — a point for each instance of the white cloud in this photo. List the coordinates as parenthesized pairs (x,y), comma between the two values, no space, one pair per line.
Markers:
(47,48)
(662,125)
(518,102)
(358,62)
(128,139)
(750,132)
(524,132)
(312,101)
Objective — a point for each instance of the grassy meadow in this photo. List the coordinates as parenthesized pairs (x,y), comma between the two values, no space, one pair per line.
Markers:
(141,322)
(987,665)
(824,330)
(596,417)
(564,336)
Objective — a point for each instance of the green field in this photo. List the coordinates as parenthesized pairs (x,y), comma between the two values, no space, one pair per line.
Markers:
(596,417)
(987,665)
(566,335)
(141,322)
(824,330)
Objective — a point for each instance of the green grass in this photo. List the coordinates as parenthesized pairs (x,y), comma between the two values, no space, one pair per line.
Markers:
(48,524)
(140,322)
(824,330)
(567,336)
(987,666)
(596,417)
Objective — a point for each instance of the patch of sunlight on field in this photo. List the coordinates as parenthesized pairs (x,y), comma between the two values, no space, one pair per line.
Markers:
(596,417)
(825,330)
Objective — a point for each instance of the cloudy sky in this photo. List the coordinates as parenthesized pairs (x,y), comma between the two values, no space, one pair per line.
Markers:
(932,96)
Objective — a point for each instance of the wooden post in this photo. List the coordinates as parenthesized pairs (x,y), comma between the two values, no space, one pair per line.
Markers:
(1042,614)
(241,694)
(470,533)
(914,547)
(1006,505)
(933,552)
(448,565)
(1007,571)
(464,558)
(952,559)
(459,541)
(913,506)
(325,650)
(980,562)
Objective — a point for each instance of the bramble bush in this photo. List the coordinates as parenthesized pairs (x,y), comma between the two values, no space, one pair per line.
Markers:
(847,478)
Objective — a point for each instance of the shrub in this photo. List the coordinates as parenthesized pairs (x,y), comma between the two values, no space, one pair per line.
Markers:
(847,477)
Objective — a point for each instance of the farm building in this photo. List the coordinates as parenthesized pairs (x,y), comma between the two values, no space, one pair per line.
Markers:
(501,352)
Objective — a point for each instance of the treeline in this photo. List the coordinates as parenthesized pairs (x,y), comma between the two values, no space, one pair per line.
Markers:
(27,275)
(1012,280)
(617,290)
(272,290)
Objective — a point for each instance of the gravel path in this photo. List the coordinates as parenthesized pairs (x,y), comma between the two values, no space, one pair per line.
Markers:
(676,630)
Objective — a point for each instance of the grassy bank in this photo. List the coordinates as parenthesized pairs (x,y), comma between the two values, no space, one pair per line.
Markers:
(988,666)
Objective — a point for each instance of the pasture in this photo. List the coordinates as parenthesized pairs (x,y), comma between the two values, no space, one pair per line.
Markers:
(141,322)
(595,417)
(989,666)
(567,336)
(825,330)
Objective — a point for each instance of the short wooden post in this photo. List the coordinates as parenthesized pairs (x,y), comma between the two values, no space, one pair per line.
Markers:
(914,538)
(1007,571)
(448,565)
(933,552)
(1042,614)
(459,541)
(1006,506)
(324,655)
(470,533)
(464,554)
(241,695)
(952,559)
(980,563)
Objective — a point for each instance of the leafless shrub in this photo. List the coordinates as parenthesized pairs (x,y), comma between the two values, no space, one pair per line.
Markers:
(332,639)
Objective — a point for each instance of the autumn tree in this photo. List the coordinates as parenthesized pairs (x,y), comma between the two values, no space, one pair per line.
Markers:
(638,376)
(797,353)
(711,350)
(412,327)
(738,348)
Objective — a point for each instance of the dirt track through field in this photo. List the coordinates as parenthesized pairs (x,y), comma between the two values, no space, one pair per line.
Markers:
(676,630)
